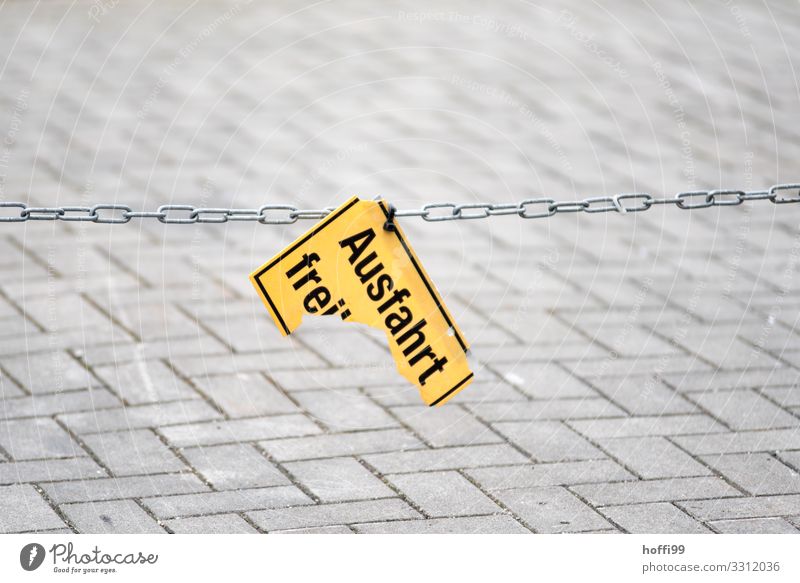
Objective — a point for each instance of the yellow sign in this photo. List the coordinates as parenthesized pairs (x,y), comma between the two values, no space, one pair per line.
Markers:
(350,266)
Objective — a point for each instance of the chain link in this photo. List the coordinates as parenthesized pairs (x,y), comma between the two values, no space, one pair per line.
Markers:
(285,214)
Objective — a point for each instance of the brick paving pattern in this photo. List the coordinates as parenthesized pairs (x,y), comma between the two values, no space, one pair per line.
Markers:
(635,373)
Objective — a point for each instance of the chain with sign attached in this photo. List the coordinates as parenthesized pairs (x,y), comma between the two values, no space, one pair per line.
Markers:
(285,214)
(356,263)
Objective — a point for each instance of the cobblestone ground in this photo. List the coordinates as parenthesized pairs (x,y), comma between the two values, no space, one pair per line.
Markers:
(635,373)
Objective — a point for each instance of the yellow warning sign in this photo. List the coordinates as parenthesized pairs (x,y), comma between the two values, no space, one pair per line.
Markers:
(348,265)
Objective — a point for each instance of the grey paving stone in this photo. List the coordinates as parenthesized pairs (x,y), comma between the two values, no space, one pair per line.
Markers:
(334,514)
(317,530)
(344,410)
(770,335)
(138,451)
(227,364)
(243,394)
(494,523)
(215,524)
(119,516)
(784,396)
(38,295)
(16,326)
(710,381)
(394,395)
(757,473)
(653,457)
(635,342)
(545,381)
(644,395)
(346,348)
(228,501)
(49,470)
(745,507)
(788,352)
(145,381)
(234,466)
(208,347)
(653,518)
(661,490)
(338,479)
(37,438)
(43,344)
(248,334)
(22,509)
(490,335)
(564,351)
(480,391)
(444,426)
(734,442)
(56,403)
(745,410)
(551,474)
(790,458)
(728,352)
(153,322)
(236,430)
(443,494)
(8,389)
(155,415)
(78,256)
(450,458)
(330,379)
(551,510)
(48,373)
(590,408)
(127,487)
(14,254)
(755,526)
(341,444)
(588,369)
(647,425)
(549,441)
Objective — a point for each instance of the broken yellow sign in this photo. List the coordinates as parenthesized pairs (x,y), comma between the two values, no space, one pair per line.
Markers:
(350,266)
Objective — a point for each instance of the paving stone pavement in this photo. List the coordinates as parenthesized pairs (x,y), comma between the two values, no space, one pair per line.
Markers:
(635,373)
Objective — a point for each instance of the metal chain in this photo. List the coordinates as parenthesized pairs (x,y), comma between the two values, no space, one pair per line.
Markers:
(285,214)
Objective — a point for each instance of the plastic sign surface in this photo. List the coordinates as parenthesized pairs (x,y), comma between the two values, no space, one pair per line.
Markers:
(350,267)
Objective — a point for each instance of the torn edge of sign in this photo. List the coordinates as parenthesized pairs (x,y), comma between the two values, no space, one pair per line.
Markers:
(453,329)
(309,268)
